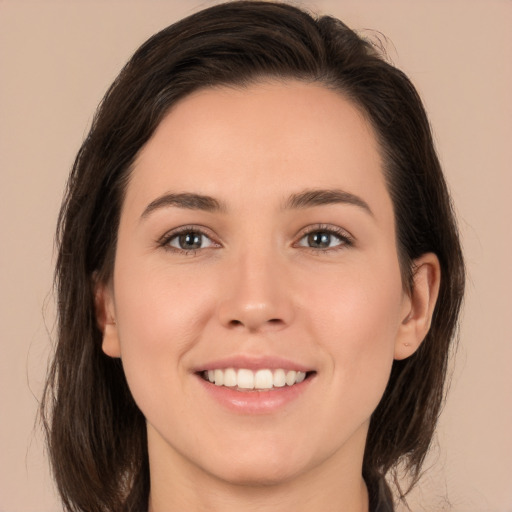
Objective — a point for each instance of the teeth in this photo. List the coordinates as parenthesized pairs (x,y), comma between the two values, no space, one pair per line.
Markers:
(279,378)
(247,379)
(229,377)
(290,378)
(218,376)
(263,379)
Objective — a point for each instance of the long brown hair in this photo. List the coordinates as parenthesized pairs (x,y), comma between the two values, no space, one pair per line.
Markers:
(96,435)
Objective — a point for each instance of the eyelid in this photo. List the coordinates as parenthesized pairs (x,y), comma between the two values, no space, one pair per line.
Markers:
(164,240)
(346,237)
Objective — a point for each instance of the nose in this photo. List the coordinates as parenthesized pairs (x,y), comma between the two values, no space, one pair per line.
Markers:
(256,294)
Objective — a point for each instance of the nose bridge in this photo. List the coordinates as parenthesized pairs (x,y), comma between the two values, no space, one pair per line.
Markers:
(256,295)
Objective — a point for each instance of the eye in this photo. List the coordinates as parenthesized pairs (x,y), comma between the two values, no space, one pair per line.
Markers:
(325,238)
(187,240)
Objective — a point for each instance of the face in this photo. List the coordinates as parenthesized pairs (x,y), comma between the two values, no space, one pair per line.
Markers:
(256,291)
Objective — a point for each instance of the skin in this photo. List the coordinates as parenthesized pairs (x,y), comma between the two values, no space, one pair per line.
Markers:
(257,287)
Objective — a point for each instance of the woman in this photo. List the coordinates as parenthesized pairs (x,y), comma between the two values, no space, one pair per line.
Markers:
(259,275)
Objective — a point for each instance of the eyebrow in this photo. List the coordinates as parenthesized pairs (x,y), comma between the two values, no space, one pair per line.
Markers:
(301,200)
(320,197)
(185,200)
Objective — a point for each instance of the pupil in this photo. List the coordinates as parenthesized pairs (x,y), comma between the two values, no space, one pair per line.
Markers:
(319,239)
(190,241)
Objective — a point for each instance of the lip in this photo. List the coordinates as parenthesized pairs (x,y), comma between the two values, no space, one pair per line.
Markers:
(254,402)
(253,363)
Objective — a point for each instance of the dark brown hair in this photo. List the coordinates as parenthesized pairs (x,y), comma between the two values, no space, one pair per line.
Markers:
(96,435)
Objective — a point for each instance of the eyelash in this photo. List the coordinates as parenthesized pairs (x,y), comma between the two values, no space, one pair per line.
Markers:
(185,230)
(345,239)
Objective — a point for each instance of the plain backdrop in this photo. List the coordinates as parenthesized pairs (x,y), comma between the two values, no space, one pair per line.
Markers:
(56,60)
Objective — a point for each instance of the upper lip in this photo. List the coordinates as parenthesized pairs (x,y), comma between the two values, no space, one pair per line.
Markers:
(253,363)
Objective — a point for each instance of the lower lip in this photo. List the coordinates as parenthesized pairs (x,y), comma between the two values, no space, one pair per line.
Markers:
(252,401)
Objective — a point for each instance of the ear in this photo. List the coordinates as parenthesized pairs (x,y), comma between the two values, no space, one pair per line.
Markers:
(419,308)
(106,318)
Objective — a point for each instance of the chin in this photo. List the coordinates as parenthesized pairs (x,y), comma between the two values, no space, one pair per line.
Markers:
(258,475)
(263,468)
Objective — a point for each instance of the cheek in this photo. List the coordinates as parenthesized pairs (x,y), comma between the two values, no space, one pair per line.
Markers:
(356,320)
(158,304)
(161,315)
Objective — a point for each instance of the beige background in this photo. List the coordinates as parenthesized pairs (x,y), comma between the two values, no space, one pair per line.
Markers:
(56,60)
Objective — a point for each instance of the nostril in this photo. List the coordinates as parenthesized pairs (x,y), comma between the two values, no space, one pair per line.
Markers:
(271,321)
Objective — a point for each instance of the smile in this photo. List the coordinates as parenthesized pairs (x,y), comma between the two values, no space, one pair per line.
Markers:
(243,379)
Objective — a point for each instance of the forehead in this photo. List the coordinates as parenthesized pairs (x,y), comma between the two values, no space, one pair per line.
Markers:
(268,138)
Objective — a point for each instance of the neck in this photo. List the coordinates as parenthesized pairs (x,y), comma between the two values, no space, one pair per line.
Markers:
(334,485)
(225,497)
